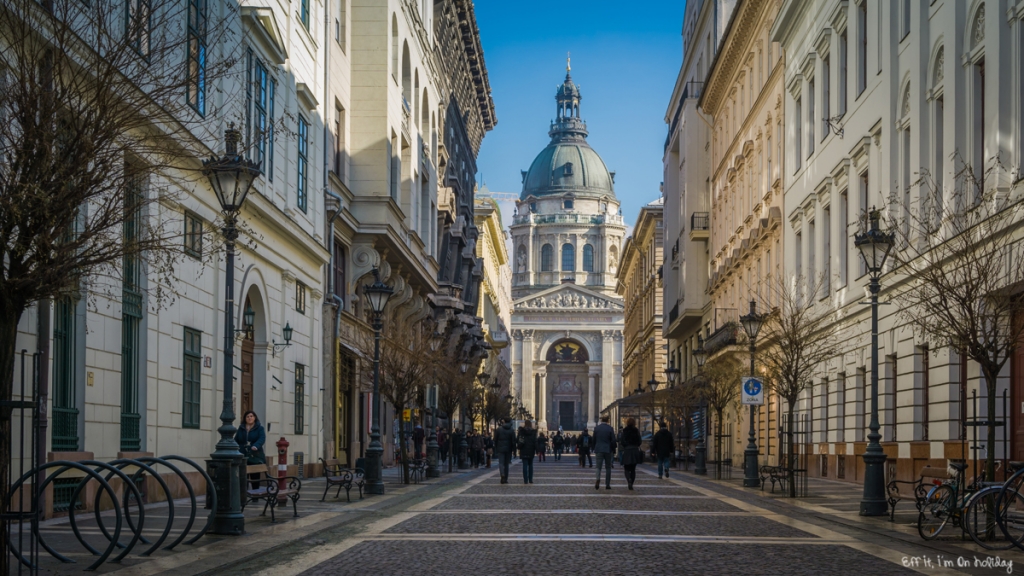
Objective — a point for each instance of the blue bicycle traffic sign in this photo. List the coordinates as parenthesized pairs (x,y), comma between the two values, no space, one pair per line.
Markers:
(753,391)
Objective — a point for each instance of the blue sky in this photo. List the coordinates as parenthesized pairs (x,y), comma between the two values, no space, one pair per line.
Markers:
(625,58)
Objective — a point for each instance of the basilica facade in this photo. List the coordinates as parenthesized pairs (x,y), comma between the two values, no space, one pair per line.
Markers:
(567,237)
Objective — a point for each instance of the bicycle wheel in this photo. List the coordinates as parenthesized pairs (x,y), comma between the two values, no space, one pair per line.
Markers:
(980,518)
(1009,508)
(936,511)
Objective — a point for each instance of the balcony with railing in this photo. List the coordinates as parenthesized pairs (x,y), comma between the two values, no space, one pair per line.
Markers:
(700,224)
(726,329)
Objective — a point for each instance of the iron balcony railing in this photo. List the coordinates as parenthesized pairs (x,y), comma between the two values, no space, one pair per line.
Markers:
(567,219)
(700,221)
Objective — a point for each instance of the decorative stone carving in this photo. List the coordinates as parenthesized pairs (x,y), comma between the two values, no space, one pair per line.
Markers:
(570,300)
(517,334)
(607,335)
(527,334)
(978,33)
(940,64)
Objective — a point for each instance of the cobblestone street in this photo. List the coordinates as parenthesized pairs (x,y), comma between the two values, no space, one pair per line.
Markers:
(685,524)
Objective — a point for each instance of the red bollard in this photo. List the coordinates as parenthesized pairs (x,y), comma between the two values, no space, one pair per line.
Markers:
(282,468)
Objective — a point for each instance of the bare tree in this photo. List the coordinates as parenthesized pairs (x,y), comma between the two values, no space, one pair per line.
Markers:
(721,389)
(960,260)
(796,339)
(452,388)
(101,107)
(406,364)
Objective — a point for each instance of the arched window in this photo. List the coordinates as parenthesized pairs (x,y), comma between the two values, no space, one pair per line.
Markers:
(547,257)
(588,258)
(568,258)
(406,78)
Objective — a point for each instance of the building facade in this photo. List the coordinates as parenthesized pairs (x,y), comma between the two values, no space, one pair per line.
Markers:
(411,121)
(687,184)
(872,102)
(743,100)
(141,372)
(639,282)
(566,237)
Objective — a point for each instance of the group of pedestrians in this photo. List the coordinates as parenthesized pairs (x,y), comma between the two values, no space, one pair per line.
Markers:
(602,444)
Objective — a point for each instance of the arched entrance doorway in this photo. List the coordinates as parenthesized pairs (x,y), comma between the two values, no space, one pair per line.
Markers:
(567,372)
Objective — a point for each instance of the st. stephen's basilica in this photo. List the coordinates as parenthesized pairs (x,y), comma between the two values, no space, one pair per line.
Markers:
(567,319)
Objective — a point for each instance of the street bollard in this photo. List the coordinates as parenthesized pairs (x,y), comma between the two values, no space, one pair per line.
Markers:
(282,469)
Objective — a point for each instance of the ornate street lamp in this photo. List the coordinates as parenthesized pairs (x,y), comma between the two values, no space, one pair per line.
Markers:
(377,295)
(435,341)
(751,325)
(231,177)
(700,356)
(672,374)
(874,246)
(287,333)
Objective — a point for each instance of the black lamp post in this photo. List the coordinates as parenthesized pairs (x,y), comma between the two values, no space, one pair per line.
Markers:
(672,375)
(652,385)
(463,443)
(377,295)
(433,471)
(751,325)
(700,356)
(874,246)
(231,177)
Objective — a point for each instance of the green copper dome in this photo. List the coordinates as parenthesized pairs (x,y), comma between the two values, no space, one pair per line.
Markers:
(568,164)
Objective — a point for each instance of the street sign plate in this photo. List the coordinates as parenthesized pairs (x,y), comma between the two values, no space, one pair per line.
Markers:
(752,391)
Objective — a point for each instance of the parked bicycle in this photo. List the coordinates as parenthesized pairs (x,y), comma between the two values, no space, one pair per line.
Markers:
(971,506)
(1009,506)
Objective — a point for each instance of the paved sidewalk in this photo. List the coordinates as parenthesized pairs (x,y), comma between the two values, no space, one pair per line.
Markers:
(215,554)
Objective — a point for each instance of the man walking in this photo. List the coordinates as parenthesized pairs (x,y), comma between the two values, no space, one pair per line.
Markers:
(504,441)
(417,440)
(604,446)
(663,446)
(557,442)
(585,446)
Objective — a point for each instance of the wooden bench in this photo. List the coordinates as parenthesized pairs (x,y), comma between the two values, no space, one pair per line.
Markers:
(337,475)
(919,488)
(775,474)
(267,488)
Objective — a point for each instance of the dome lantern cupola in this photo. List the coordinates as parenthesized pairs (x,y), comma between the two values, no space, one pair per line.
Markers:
(568,164)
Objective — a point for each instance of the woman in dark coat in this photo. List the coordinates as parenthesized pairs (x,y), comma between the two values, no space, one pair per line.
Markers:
(527,449)
(542,447)
(250,438)
(631,454)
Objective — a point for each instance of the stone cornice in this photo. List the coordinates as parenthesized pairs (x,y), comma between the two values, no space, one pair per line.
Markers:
(737,38)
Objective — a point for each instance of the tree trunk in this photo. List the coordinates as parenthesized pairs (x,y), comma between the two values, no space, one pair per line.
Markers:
(403,450)
(990,460)
(9,317)
(790,456)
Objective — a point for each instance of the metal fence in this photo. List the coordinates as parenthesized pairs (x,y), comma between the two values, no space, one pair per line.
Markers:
(799,460)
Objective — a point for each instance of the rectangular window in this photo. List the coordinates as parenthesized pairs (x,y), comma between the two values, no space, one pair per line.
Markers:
(768,147)
(826,95)
(138,25)
(192,381)
(905,184)
(65,353)
(924,392)
(304,12)
(300,399)
(260,92)
(798,138)
(826,251)
(905,19)
(339,269)
(193,235)
(844,236)
(841,408)
(396,166)
(303,144)
(799,254)
(271,88)
(131,311)
(978,148)
(812,279)
(843,72)
(937,199)
(300,297)
(863,214)
(196,91)
(862,47)
(812,121)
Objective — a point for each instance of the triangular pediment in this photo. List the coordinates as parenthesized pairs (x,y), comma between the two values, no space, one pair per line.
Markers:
(568,297)
(263,26)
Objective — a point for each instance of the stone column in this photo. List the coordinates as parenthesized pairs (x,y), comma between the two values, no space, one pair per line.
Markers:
(542,402)
(607,369)
(526,373)
(591,402)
